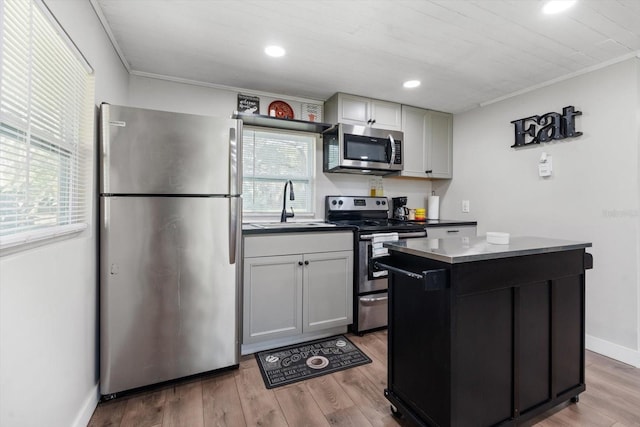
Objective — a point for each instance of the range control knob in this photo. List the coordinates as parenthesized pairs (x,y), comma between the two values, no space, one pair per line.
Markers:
(384,203)
(378,202)
(333,202)
(340,202)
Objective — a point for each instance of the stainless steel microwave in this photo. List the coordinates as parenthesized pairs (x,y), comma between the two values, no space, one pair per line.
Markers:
(362,150)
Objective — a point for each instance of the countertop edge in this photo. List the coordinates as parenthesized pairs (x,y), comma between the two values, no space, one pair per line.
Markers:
(566,245)
(283,230)
(448,223)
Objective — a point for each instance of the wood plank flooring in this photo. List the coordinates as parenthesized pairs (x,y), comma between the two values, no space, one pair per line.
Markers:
(353,397)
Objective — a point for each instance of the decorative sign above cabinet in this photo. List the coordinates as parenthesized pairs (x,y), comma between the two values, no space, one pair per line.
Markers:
(551,126)
(248,104)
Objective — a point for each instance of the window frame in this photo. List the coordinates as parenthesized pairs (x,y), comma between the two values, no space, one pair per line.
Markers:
(69,153)
(264,216)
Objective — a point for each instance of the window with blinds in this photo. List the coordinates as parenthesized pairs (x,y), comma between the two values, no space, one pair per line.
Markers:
(270,159)
(46,127)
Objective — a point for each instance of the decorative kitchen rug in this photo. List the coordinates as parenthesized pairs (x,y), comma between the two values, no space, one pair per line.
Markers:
(286,365)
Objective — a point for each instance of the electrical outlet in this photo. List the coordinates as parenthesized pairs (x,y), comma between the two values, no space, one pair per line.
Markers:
(465,206)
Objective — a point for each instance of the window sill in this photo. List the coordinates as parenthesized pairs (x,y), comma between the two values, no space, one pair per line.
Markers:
(254,217)
(30,239)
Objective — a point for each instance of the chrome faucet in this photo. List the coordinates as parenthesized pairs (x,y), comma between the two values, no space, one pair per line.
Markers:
(284,215)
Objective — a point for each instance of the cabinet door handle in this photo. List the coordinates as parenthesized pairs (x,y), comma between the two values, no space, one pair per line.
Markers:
(453,231)
(306,263)
(299,262)
(428,171)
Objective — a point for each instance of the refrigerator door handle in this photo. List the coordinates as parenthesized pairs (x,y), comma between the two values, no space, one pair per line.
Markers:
(235,210)
(104,146)
(235,157)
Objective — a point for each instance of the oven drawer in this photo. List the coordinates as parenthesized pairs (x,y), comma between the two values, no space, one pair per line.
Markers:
(372,311)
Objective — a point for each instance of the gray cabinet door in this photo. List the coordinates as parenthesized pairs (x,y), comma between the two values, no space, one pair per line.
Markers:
(428,143)
(272,297)
(415,122)
(440,154)
(328,290)
(354,110)
(387,115)
(357,110)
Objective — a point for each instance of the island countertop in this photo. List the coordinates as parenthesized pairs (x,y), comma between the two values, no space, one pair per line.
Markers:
(454,250)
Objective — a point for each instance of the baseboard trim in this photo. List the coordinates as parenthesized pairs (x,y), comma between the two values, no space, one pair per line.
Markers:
(89,406)
(255,347)
(614,351)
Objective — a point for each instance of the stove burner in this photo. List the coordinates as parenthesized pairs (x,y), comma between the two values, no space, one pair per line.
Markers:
(368,214)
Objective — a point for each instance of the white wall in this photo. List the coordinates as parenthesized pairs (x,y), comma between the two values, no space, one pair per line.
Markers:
(48,294)
(592,196)
(166,95)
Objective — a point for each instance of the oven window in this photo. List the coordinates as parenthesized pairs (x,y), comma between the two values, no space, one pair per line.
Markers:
(364,148)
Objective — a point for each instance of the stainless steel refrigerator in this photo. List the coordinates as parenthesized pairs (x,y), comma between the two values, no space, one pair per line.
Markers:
(170,233)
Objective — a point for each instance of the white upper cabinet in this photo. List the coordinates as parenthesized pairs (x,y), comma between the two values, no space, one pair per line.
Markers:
(357,110)
(428,143)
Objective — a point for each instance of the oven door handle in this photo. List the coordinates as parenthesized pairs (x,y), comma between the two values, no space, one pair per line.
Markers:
(400,235)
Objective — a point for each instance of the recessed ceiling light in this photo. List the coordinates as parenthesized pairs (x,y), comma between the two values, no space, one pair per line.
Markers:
(274,51)
(557,6)
(410,84)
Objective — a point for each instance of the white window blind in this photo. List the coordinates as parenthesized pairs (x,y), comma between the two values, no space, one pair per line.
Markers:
(46,127)
(270,159)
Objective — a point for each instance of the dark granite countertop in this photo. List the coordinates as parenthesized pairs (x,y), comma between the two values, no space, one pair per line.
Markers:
(255,228)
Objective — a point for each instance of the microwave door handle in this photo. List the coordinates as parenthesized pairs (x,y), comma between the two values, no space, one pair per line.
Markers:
(393,150)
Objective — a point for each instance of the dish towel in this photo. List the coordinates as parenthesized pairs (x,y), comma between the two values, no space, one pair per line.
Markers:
(377,250)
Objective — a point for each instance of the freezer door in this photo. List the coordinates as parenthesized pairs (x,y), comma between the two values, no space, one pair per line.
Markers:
(157,152)
(168,294)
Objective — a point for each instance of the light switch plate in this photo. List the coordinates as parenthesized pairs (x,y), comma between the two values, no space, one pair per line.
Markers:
(465,206)
(545,168)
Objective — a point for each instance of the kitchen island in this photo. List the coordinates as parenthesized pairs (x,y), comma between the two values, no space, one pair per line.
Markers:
(483,334)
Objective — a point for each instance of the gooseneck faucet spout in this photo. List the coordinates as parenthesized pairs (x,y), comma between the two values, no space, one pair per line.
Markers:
(284,215)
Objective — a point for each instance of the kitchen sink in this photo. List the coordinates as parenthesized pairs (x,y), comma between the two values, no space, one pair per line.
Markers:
(291,224)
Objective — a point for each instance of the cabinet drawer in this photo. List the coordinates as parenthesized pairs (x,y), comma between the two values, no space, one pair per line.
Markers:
(372,311)
(296,243)
(443,232)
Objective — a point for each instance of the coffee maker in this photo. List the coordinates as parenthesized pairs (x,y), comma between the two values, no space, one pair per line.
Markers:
(400,210)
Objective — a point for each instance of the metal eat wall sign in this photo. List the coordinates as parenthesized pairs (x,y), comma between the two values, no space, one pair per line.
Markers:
(546,127)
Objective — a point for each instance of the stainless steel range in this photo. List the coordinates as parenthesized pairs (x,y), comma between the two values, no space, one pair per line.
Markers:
(370,216)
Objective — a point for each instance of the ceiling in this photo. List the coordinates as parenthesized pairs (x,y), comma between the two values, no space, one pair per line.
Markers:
(465,52)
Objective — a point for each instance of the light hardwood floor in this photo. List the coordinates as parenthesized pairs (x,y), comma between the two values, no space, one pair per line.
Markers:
(348,398)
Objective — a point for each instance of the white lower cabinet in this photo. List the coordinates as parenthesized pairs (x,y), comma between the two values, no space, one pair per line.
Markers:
(327,290)
(296,287)
(272,297)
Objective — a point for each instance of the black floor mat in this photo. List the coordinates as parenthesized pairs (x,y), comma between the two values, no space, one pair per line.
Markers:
(286,365)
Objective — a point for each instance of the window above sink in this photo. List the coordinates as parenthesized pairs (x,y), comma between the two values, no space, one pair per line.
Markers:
(270,158)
